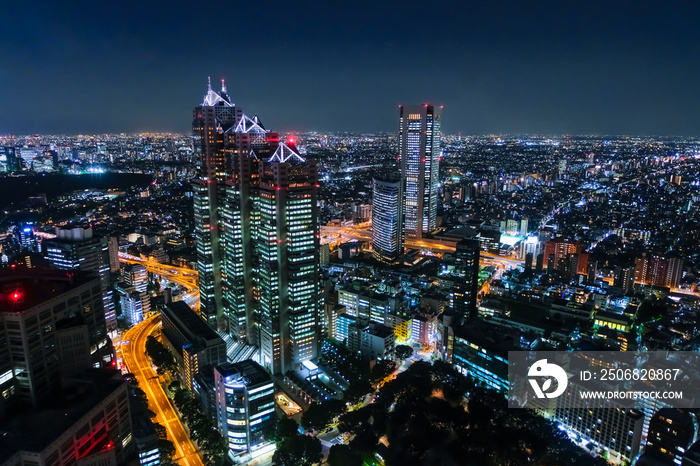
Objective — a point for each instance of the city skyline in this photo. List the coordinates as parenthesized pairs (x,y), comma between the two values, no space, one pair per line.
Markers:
(585,70)
(257,290)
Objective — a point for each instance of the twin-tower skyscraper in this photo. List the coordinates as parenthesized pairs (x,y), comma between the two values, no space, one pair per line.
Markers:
(256,233)
(405,206)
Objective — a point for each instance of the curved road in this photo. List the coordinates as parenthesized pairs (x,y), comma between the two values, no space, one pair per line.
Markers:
(134,356)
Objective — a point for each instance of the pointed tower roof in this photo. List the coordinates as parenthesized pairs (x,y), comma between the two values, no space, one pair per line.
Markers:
(212,98)
(248,125)
(284,153)
(257,121)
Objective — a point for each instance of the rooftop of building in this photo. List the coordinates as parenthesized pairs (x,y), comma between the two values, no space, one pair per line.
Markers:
(488,336)
(34,430)
(381,331)
(248,372)
(23,288)
(190,324)
(675,417)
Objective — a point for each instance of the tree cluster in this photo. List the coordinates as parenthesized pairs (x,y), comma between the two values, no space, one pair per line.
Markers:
(423,418)
(319,415)
(160,356)
(213,445)
(403,351)
(294,449)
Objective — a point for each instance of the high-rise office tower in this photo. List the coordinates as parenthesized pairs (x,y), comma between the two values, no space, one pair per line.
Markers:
(257,235)
(287,260)
(245,408)
(419,151)
(387,219)
(77,248)
(212,118)
(54,327)
(466,280)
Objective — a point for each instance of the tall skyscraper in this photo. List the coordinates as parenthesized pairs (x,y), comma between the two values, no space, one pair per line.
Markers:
(212,118)
(257,235)
(77,248)
(419,152)
(466,281)
(387,219)
(287,258)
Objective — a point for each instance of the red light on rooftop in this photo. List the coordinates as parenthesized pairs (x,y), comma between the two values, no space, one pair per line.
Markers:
(13,266)
(290,140)
(425,105)
(16,296)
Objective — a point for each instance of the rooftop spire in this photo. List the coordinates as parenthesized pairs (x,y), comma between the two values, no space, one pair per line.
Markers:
(213,98)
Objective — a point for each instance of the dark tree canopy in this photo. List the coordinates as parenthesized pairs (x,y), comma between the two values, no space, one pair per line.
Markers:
(298,450)
(431,414)
(403,351)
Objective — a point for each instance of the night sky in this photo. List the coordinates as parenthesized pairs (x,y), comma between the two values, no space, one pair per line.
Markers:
(560,67)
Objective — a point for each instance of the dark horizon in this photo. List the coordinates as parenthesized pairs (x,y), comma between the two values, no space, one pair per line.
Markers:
(502,68)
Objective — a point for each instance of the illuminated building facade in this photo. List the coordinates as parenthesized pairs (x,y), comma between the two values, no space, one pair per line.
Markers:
(136,275)
(566,257)
(287,260)
(212,118)
(658,271)
(195,343)
(419,153)
(245,408)
(257,235)
(480,351)
(12,162)
(615,430)
(387,219)
(77,249)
